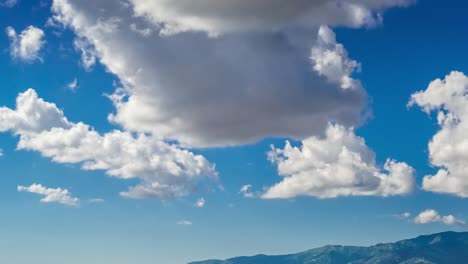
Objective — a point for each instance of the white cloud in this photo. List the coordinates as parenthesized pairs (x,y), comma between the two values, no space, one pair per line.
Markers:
(51,195)
(245,191)
(406,215)
(200,203)
(184,222)
(164,170)
(73,85)
(8,3)
(32,115)
(1,152)
(282,75)
(27,45)
(432,216)
(448,149)
(340,164)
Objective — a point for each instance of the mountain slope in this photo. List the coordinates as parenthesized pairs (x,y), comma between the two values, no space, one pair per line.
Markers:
(441,248)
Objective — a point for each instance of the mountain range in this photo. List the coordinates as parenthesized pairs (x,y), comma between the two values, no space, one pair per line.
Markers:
(440,248)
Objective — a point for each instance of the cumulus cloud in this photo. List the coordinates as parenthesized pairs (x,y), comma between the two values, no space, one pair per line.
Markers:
(273,70)
(245,191)
(432,216)
(222,16)
(200,203)
(51,195)
(340,164)
(164,170)
(26,45)
(448,149)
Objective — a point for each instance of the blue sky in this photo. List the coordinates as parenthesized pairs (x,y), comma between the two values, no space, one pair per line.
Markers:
(416,43)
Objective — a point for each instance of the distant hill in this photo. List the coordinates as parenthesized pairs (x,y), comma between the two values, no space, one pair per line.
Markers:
(441,248)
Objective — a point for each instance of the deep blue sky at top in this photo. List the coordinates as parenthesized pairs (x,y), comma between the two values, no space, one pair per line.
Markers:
(413,46)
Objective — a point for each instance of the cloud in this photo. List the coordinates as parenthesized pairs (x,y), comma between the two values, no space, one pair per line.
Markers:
(281,75)
(27,45)
(406,215)
(245,191)
(184,223)
(88,56)
(164,170)
(51,195)
(340,164)
(96,200)
(200,203)
(8,3)
(448,148)
(216,17)
(73,85)
(432,216)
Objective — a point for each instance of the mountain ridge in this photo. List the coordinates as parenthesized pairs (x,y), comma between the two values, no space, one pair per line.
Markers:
(444,248)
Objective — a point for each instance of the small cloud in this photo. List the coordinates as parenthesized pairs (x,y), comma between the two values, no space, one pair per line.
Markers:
(26,45)
(184,223)
(245,191)
(200,203)
(96,200)
(51,195)
(432,216)
(404,215)
(1,152)
(73,85)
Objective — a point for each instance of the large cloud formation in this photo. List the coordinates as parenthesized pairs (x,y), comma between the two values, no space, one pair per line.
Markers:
(216,73)
(340,164)
(448,149)
(164,170)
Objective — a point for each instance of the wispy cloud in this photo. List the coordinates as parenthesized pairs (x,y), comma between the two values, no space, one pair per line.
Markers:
(184,222)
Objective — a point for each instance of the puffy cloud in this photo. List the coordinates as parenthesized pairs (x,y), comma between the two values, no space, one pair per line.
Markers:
(32,115)
(51,195)
(27,45)
(220,16)
(200,203)
(432,216)
(245,191)
(8,3)
(340,164)
(184,222)
(448,149)
(165,170)
(281,75)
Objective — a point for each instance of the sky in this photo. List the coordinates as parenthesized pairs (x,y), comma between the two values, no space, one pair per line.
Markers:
(161,131)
